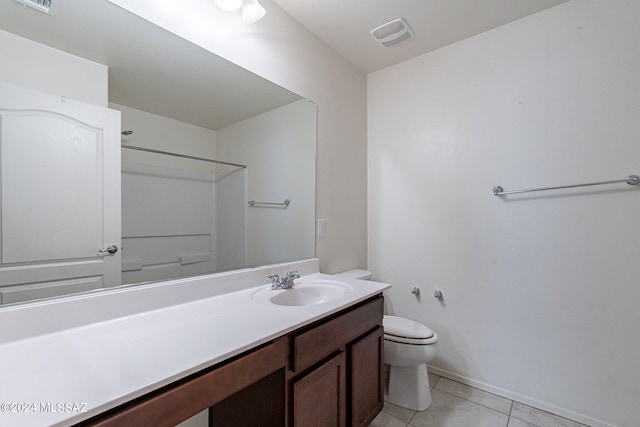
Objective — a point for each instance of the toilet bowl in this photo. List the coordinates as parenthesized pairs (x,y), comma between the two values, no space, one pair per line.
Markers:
(408,347)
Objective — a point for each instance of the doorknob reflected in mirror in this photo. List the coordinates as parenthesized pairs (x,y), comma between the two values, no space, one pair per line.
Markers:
(112,249)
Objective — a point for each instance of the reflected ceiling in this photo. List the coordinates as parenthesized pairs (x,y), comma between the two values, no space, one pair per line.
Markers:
(147,69)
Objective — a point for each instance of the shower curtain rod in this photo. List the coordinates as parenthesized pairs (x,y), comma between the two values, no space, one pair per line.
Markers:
(631,180)
(184,156)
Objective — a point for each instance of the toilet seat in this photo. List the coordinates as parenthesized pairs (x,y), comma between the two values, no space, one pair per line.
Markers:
(406,331)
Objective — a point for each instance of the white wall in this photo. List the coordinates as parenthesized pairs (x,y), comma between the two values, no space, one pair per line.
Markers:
(38,67)
(541,290)
(277,147)
(281,50)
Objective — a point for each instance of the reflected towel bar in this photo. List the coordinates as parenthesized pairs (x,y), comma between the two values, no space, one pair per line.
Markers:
(631,180)
(184,156)
(254,203)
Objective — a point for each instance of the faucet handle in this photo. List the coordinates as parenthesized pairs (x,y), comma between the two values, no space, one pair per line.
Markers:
(293,275)
(274,278)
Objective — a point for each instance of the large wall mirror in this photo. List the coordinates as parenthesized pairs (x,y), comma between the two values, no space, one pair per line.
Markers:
(181,215)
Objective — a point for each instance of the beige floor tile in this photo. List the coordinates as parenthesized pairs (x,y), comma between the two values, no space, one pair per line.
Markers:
(433,379)
(385,419)
(398,411)
(517,422)
(540,418)
(448,410)
(473,394)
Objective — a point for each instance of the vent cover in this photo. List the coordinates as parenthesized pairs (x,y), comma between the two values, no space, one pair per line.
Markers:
(46,6)
(393,32)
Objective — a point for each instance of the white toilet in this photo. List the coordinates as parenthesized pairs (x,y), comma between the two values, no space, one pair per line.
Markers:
(408,347)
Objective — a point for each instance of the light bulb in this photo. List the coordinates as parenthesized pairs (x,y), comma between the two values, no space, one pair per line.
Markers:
(229,5)
(252,11)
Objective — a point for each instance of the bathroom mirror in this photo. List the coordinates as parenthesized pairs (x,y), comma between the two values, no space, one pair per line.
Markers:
(181,215)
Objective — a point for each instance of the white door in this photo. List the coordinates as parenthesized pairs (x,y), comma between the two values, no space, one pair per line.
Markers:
(59,195)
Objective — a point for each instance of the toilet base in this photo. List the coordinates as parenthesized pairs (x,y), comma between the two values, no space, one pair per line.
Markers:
(409,387)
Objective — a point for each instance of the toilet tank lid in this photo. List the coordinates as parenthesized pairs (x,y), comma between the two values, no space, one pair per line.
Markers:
(406,328)
(356,274)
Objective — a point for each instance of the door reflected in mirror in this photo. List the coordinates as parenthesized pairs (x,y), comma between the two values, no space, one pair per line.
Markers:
(180,215)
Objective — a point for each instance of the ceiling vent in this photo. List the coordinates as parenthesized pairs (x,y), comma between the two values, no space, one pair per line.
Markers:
(47,6)
(393,32)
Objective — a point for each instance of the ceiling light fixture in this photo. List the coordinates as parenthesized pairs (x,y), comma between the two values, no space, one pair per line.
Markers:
(229,5)
(252,11)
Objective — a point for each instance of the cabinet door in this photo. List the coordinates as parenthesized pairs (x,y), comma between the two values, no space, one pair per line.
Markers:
(367,378)
(319,398)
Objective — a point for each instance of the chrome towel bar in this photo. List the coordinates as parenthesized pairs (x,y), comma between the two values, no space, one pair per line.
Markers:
(254,203)
(631,180)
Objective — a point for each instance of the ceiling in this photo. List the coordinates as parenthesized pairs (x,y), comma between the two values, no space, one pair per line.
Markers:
(345,24)
(153,70)
(150,69)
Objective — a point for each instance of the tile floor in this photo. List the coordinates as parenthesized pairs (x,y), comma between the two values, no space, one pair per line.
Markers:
(458,405)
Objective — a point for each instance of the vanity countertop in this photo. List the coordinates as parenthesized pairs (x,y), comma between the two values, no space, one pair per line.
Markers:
(65,376)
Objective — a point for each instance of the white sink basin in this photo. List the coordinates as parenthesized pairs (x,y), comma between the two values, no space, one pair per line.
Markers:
(304,293)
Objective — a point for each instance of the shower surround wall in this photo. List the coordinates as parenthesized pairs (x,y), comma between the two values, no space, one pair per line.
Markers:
(182,217)
(173,209)
(540,290)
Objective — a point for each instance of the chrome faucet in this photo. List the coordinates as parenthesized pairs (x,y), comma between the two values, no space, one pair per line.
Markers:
(285,282)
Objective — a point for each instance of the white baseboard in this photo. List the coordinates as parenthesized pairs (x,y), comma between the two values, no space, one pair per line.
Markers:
(544,406)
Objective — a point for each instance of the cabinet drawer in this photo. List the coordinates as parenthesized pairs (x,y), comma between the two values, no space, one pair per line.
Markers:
(317,343)
(183,399)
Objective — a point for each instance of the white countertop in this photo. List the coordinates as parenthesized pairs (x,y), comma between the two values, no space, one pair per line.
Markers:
(60,376)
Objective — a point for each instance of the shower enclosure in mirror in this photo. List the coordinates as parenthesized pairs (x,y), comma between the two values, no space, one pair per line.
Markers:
(180,215)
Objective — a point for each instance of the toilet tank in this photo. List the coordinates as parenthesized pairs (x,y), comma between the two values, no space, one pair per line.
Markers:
(356,274)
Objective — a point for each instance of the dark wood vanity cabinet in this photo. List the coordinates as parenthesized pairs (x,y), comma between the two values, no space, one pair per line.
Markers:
(334,369)
(328,373)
